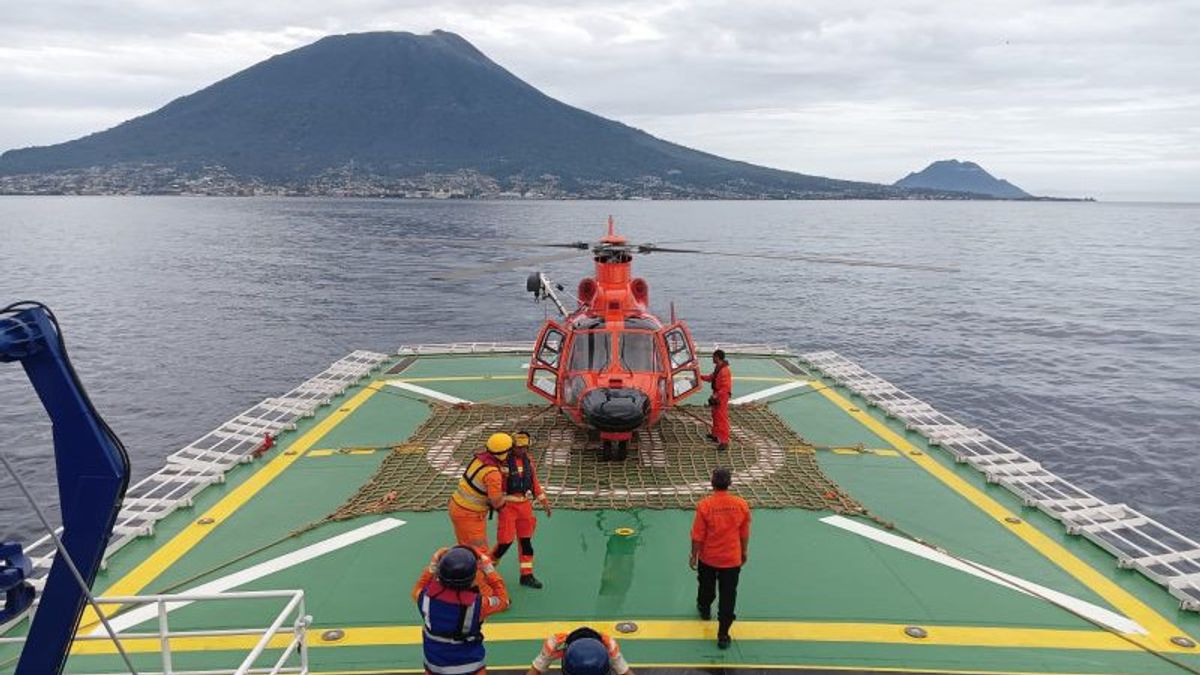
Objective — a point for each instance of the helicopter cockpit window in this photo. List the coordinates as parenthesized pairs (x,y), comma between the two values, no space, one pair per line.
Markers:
(551,348)
(678,348)
(590,351)
(638,352)
(641,322)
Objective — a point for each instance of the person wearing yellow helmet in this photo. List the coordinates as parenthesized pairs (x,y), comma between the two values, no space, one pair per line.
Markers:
(480,490)
(517,520)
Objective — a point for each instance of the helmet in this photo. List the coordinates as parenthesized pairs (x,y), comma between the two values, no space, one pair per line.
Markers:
(499,443)
(521,439)
(586,656)
(456,569)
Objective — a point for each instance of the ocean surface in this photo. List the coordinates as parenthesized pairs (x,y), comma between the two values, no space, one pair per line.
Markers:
(1072,331)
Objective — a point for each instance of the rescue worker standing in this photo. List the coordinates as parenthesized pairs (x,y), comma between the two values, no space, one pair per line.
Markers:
(458,590)
(583,651)
(720,545)
(516,518)
(480,491)
(722,385)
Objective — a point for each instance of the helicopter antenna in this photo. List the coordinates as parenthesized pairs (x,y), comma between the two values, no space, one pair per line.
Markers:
(610,226)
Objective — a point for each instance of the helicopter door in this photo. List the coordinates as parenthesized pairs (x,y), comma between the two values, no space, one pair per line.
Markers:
(681,356)
(544,364)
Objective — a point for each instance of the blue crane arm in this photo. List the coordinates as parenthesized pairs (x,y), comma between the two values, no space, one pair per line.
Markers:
(93,472)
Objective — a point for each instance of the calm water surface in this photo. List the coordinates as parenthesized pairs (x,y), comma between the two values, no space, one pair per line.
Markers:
(1072,331)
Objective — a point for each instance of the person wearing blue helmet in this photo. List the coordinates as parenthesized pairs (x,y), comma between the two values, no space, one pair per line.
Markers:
(583,651)
(455,593)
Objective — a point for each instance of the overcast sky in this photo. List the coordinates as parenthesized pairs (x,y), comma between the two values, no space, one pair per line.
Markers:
(1060,97)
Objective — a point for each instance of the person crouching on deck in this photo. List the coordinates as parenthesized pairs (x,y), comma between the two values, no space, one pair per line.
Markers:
(722,384)
(516,518)
(455,593)
(480,491)
(583,651)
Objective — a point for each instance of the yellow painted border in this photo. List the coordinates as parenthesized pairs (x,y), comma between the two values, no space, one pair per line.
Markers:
(789,631)
(1159,627)
(168,554)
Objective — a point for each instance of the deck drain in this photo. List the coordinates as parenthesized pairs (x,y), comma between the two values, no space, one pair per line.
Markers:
(627,626)
(624,531)
(205,521)
(916,453)
(289,452)
(1185,642)
(1013,520)
(916,632)
(332,635)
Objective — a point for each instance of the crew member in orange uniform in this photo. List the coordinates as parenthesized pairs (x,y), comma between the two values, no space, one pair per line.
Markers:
(720,546)
(516,518)
(479,491)
(722,384)
(456,592)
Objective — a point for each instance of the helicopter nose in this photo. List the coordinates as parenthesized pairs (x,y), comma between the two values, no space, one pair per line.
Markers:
(617,409)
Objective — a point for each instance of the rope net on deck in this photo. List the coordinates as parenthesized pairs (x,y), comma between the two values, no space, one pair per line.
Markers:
(668,467)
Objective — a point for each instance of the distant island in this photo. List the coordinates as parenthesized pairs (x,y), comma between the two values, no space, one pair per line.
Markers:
(393,114)
(955,176)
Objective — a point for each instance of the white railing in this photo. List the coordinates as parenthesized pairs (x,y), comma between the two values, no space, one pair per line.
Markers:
(454,348)
(292,619)
(205,461)
(1137,541)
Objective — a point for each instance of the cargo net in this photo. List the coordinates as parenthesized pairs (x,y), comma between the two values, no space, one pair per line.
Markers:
(668,467)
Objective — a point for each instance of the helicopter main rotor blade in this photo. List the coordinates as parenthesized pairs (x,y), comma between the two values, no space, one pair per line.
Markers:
(484,241)
(800,257)
(503,266)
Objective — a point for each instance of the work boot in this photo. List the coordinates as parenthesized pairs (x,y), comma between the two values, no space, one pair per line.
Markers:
(723,641)
(723,447)
(530,581)
(711,438)
(705,612)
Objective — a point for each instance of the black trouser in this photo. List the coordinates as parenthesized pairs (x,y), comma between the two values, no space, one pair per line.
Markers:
(710,578)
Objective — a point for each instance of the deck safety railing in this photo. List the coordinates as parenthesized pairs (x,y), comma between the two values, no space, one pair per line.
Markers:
(454,348)
(292,621)
(206,460)
(1137,541)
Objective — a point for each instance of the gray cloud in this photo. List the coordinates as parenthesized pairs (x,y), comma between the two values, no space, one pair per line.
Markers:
(1069,97)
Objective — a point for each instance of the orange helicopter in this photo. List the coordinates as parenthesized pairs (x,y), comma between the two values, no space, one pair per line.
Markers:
(610,364)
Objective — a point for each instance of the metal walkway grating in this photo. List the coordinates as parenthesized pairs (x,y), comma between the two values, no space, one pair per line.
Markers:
(205,461)
(1137,541)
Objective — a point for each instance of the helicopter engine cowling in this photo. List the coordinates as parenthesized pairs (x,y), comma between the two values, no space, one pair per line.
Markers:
(620,409)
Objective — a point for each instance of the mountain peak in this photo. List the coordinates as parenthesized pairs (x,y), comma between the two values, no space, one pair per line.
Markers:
(958,176)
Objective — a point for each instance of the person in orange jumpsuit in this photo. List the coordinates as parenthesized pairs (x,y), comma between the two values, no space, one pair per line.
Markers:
(480,491)
(454,594)
(722,385)
(720,547)
(516,518)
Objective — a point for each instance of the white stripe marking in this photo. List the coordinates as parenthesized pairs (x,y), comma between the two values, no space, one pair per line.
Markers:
(263,569)
(424,391)
(769,391)
(1095,613)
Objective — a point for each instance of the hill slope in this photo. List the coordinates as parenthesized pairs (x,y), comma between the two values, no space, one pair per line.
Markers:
(397,104)
(955,176)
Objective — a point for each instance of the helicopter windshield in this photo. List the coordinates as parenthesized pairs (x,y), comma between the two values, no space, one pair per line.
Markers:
(589,351)
(638,352)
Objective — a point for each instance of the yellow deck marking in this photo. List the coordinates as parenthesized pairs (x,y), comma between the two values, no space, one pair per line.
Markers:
(847,451)
(168,554)
(885,453)
(364,451)
(786,631)
(319,453)
(1160,628)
